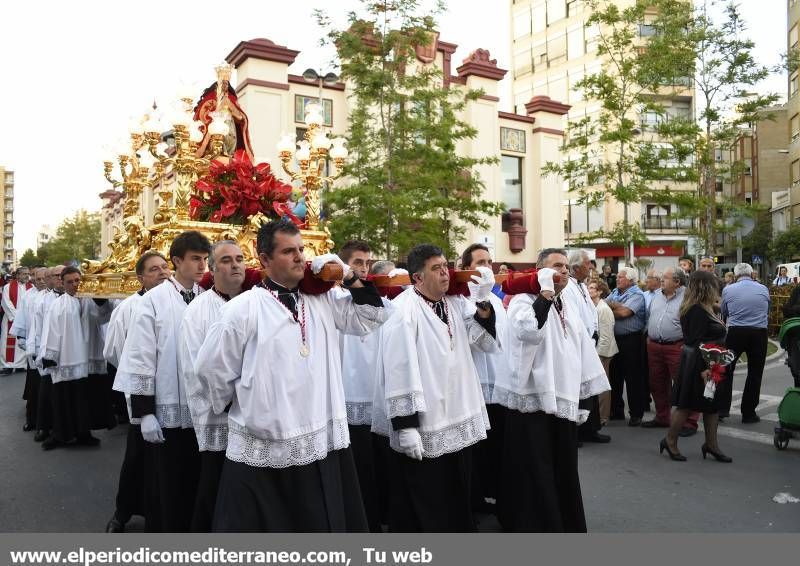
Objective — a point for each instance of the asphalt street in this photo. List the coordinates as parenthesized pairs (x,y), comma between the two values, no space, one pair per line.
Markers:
(627,486)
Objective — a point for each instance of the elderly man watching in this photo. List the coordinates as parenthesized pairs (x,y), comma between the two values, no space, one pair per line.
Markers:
(651,285)
(576,295)
(664,342)
(745,307)
(627,371)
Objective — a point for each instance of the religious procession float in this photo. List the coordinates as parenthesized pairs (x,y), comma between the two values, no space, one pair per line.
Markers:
(204,173)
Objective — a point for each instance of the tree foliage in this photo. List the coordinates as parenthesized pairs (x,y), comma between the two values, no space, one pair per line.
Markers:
(29,259)
(725,73)
(407,183)
(607,156)
(785,246)
(77,238)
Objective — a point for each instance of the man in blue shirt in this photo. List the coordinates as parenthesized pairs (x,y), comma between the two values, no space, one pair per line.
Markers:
(627,367)
(745,307)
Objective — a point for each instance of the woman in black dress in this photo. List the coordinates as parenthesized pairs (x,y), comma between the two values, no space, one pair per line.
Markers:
(700,325)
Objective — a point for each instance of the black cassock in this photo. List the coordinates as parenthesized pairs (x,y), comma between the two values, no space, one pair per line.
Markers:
(322,496)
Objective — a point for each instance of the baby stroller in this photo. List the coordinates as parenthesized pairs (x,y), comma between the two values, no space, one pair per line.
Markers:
(789,408)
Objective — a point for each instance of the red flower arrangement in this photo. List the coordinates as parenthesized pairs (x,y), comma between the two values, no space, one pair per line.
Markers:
(717,358)
(234,191)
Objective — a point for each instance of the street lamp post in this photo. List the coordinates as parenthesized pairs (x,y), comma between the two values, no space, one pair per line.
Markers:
(312,76)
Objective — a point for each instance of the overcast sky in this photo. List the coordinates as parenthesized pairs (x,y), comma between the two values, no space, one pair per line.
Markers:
(73,77)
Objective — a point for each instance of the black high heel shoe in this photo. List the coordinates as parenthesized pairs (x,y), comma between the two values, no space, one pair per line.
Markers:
(677,456)
(718,456)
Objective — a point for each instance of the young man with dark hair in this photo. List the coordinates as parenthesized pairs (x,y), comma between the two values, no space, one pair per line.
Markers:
(489,453)
(150,363)
(67,343)
(361,361)
(273,358)
(135,491)
(432,396)
(227,264)
(356,254)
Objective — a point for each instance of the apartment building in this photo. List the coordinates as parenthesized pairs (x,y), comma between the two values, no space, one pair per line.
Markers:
(7,240)
(552,50)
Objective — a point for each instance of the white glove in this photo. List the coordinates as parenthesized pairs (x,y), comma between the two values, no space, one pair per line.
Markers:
(21,343)
(397,271)
(545,277)
(151,430)
(318,262)
(481,285)
(411,443)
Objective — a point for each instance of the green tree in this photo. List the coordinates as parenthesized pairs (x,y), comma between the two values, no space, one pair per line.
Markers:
(725,72)
(607,155)
(409,184)
(76,238)
(29,259)
(786,245)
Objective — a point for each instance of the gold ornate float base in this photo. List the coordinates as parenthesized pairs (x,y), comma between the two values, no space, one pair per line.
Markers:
(115,277)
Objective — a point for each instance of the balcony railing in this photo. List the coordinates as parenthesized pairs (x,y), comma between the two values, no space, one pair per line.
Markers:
(665,223)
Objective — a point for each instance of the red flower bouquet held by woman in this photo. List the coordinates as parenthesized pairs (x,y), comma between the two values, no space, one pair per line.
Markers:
(717,358)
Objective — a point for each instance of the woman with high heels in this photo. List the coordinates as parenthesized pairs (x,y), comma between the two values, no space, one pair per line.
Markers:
(700,325)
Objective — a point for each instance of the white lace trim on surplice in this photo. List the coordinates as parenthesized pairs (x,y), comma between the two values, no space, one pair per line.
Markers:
(359,413)
(245,447)
(405,405)
(533,402)
(173,416)
(449,439)
(211,437)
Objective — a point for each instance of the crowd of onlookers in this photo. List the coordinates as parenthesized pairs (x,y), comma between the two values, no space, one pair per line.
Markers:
(646,325)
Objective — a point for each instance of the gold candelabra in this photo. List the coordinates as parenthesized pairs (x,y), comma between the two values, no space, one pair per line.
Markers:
(148,163)
(311,155)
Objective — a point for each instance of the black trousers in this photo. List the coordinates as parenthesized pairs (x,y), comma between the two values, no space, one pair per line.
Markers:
(44,407)
(31,395)
(322,496)
(177,467)
(487,457)
(211,463)
(753,342)
(541,490)
(130,491)
(432,495)
(592,424)
(364,455)
(628,372)
(71,417)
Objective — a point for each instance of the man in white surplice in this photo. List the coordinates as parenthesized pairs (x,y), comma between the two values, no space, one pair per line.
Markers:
(487,454)
(20,330)
(361,363)
(432,394)
(577,293)
(150,365)
(554,365)
(274,359)
(152,269)
(65,350)
(226,262)
(44,406)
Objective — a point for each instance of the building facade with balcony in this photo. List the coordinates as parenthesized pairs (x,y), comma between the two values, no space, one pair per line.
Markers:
(7,240)
(274,98)
(552,50)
